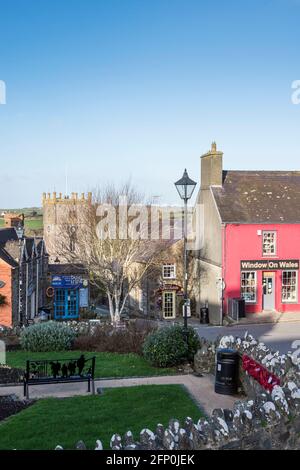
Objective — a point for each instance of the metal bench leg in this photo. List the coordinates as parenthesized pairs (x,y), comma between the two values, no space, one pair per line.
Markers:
(27,391)
(93,387)
(89,385)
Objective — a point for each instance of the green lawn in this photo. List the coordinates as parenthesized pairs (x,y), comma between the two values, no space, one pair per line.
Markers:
(33,224)
(107,364)
(65,421)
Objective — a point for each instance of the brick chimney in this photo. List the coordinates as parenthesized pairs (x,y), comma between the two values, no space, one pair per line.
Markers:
(212,168)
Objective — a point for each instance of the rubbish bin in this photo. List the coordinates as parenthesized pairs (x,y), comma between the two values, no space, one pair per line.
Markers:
(204,315)
(227,371)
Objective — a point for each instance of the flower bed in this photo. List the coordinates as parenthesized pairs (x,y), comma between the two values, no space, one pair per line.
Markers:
(11,404)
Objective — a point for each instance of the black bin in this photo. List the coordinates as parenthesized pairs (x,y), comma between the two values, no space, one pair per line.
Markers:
(204,315)
(227,371)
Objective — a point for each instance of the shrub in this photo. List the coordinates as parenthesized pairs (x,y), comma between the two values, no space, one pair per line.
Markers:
(106,338)
(168,346)
(50,336)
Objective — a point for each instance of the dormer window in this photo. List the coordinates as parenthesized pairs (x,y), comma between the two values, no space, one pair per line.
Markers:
(269,243)
(169,271)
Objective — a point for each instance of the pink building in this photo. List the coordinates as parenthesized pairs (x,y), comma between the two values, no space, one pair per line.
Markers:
(261,264)
(251,244)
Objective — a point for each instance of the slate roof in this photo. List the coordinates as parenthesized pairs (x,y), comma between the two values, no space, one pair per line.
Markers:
(7,235)
(29,242)
(5,256)
(259,197)
(10,248)
(40,245)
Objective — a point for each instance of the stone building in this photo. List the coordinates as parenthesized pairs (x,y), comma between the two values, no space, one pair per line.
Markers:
(64,218)
(160,292)
(23,277)
(63,215)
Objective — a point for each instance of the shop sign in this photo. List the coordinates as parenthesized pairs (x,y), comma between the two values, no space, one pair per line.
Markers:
(271,264)
(169,287)
(67,282)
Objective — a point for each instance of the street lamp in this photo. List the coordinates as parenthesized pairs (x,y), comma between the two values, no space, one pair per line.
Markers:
(185,187)
(20,231)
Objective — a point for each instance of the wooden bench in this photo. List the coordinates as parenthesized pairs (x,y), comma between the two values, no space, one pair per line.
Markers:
(41,372)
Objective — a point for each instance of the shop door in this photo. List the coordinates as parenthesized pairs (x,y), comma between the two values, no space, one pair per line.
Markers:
(169,304)
(66,304)
(268,291)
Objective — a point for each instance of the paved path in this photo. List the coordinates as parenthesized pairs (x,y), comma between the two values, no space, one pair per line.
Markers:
(200,388)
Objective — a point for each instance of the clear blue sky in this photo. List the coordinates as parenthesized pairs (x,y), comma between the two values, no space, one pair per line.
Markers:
(140,88)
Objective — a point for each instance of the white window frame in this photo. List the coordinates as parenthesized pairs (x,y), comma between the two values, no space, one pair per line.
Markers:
(241,287)
(275,242)
(172,276)
(284,301)
(173,293)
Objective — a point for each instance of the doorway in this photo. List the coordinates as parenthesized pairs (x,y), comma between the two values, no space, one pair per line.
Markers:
(169,304)
(66,304)
(269,291)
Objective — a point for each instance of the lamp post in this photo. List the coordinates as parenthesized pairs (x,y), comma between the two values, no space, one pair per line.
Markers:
(185,187)
(20,233)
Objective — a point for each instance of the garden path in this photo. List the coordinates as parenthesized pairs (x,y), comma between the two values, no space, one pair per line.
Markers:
(200,388)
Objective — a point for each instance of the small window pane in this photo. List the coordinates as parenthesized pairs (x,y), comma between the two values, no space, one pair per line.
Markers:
(289,286)
(248,286)
(269,243)
(169,271)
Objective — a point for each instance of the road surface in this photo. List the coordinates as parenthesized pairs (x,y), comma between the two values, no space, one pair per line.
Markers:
(277,336)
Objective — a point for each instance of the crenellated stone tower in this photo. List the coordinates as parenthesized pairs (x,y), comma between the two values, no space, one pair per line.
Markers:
(64,217)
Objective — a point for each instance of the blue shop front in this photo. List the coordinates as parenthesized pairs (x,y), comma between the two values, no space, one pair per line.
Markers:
(70,294)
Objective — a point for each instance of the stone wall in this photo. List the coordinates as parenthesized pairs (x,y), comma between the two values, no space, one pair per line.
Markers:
(270,420)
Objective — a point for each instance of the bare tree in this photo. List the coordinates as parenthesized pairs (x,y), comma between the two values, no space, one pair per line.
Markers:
(110,238)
